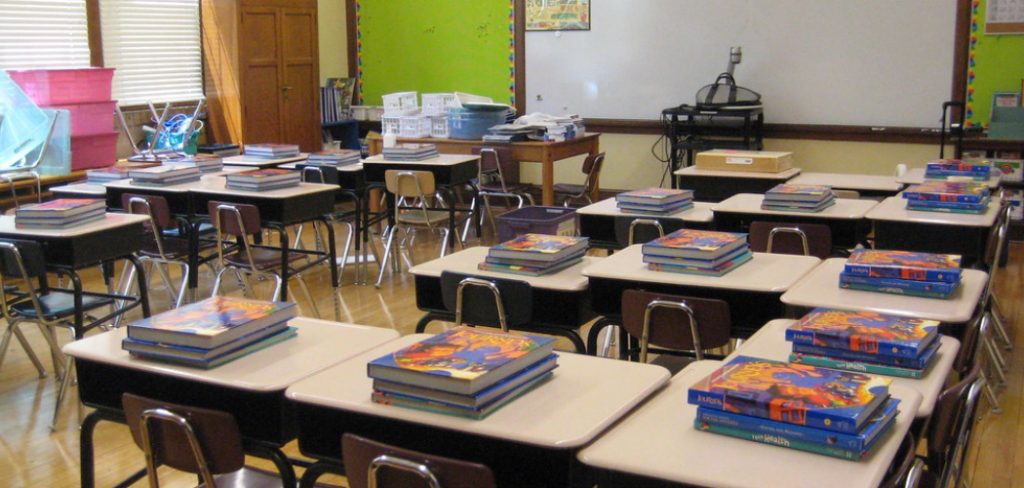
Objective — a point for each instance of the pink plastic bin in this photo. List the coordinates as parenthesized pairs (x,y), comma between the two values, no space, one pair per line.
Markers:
(90,118)
(93,151)
(56,86)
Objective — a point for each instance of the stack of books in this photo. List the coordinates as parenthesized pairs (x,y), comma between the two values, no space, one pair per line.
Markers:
(221,150)
(464,372)
(164,175)
(798,198)
(699,252)
(335,157)
(654,201)
(106,175)
(535,254)
(864,342)
(59,213)
(917,274)
(825,411)
(262,179)
(210,333)
(410,152)
(945,169)
(948,196)
(207,163)
(271,151)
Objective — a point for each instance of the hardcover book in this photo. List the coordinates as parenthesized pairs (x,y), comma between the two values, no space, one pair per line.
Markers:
(958,165)
(716,270)
(539,247)
(654,196)
(792,192)
(459,411)
(528,270)
(919,362)
(948,191)
(263,175)
(864,332)
(197,353)
(979,207)
(213,362)
(907,265)
(896,286)
(61,208)
(966,209)
(857,366)
(696,262)
(697,244)
(652,210)
(212,322)
(783,207)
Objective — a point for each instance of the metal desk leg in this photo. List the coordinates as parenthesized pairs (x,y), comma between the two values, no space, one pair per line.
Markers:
(332,253)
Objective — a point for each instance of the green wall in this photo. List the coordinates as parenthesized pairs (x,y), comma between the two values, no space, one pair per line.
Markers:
(995,64)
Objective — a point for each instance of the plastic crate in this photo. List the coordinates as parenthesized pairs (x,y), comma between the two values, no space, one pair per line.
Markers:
(400,102)
(59,86)
(439,126)
(390,123)
(93,151)
(414,126)
(90,118)
(557,221)
(472,124)
(438,103)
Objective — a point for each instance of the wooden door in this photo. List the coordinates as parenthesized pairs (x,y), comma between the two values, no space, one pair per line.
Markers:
(260,74)
(301,78)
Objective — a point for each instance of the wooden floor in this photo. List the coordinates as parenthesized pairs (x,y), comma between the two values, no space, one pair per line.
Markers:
(32,456)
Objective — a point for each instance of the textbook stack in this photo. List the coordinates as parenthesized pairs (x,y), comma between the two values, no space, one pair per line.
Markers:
(262,179)
(654,201)
(948,196)
(464,372)
(865,342)
(798,198)
(335,157)
(955,169)
(535,254)
(207,163)
(60,213)
(410,152)
(105,175)
(699,252)
(221,150)
(164,175)
(272,151)
(210,333)
(918,274)
(825,411)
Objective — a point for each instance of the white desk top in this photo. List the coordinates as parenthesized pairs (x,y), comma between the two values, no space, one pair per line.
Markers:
(440,160)
(86,189)
(700,212)
(127,184)
(318,345)
(820,288)
(750,203)
(695,171)
(659,440)
(586,395)
(764,273)
(915,176)
(110,221)
(217,187)
(847,181)
(894,209)
(465,261)
(256,162)
(349,167)
(770,343)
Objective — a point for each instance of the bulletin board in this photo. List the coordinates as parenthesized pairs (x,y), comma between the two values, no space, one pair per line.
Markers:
(994,65)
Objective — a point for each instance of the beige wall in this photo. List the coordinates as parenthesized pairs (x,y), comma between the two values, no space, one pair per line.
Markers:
(333,41)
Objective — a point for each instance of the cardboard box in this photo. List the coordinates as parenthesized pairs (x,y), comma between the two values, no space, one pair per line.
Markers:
(757,161)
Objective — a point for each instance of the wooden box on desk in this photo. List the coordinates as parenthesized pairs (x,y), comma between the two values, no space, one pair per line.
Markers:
(757,161)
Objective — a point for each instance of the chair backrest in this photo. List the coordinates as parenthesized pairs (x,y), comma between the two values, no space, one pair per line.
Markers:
(319,174)
(898,472)
(632,231)
(372,464)
(22,261)
(236,219)
(481,305)
(410,184)
(995,245)
(672,326)
(592,168)
(949,427)
(153,205)
(785,238)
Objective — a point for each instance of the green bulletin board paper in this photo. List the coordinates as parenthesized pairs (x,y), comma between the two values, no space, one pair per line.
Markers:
(995,64)
(437,46)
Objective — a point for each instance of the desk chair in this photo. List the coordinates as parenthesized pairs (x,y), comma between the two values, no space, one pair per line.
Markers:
(905,471)
(491,183)
(950,428)
(569,192)
(164,250)
(674,323)
(372,464)
(995,247)
(782,238)
(25,170)
(629,232)
(349,217)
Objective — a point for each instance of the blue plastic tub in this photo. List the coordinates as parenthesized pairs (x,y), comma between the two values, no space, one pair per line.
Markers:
(472,124)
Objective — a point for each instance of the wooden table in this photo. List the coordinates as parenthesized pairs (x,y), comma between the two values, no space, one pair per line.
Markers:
(657,445)
(871,186)
(599,221)
(915,176)
(899,228)
(545,153)
(532,441)
(846,218)
(712,185)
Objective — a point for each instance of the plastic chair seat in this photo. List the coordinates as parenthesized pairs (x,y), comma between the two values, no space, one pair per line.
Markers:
(262,258)
(174,249)
(58,303)
(204,228)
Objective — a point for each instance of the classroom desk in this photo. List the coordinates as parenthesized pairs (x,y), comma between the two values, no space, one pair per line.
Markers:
(251,388)
(770,343)
(915,176)
(846,218)
(712,185)
(871,186)
(545,153)
(252,162)
(820,288)
(80,190)
(598,221)
(532,441)
(896,227)
(752,289)
(561,300)
(657,445)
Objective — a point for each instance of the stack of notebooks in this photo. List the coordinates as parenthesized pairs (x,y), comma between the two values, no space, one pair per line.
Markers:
(825,411)
(262,179)
(464,372)
(271,151)
(948,196)
(917,274)
(410,152)
(60,213)
(535,254)
(798,198)
(864,342)
(210,333)
(699,252)
(165,175)
(335,157)
(654,201)
(207,163)
(945,169)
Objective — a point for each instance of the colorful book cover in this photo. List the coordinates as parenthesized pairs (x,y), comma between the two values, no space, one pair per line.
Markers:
(702,244)
(765,205)
(263,173)
(907,265)
(856,366)
(716,271)
(242,351)
(527,270)
(62,206)
(896,286)
(539,247)
(455,410)
(211,322)
(794,393)
(979,207)
(919,362)
(697,262)
(891,290)
(865,332)
(948,191)
(928,208)
(958,165)
(652,210)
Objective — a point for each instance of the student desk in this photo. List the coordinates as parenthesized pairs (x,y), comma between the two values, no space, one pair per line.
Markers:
(915,176)
(712,185)
(561,300)
(254,162)
(598,221)
(896,227)
(657,445)
(770,343)
(251,388)
(545,153)
(846,218)
(532,441)
(871,186)
(80,190)
(820,288)
(752,289)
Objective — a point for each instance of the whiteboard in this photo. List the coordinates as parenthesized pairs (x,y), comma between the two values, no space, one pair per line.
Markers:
(830,62)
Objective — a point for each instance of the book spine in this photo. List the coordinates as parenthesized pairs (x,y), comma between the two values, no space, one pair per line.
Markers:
(906,361)
(924,208)
(857,366)
(892,290)
(942,289)
(779,412)
(902,272)
(943,197)
(790,432)
(976,206)
(780,441)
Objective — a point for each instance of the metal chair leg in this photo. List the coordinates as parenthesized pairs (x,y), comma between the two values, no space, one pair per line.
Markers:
(69,367)
(278,286)
(387,254)
(216,281)
(344,252)
(309,296)
(998,325)
(13,330)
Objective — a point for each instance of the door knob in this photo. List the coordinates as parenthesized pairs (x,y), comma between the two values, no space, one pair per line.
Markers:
(286,88)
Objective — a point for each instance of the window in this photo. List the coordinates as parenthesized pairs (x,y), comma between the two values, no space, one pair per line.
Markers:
(43,34)
(155,46)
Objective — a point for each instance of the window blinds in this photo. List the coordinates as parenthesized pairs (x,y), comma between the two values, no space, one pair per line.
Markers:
(43,34)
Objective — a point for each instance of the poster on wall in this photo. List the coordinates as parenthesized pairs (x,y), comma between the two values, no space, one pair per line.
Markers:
(1004,17)
(557,15)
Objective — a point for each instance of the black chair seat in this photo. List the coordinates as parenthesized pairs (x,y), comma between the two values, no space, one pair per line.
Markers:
(204,228)
(59,303)
(175,249)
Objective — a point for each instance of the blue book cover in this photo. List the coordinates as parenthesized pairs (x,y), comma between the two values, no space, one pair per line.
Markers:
(907,265)
(915,203)
(920,362)
(892,290)
(929,289)
(864,332)
(948,191)
(774,440)
(925,208)
(857,366)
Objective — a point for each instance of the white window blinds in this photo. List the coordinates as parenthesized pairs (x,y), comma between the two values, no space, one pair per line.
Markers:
(43,34)
(155,46)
